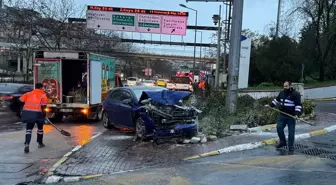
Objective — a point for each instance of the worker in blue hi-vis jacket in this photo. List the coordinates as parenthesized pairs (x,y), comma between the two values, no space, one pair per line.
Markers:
(288,101)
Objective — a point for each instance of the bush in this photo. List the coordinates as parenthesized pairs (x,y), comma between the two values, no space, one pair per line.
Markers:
(265,100)
(308,107)
(215,118)
(266,84)
(245,103)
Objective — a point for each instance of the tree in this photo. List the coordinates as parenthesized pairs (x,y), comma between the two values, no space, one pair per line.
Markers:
(320,17)
(17,30)
(278,60)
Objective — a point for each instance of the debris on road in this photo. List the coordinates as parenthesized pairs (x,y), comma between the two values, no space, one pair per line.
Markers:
(239,127)
(195,140)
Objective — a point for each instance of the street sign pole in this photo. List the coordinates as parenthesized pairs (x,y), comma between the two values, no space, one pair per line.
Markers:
(234,56)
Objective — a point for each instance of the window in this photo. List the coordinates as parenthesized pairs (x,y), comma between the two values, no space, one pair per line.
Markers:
(125,95)
(25,89)
(9,88)
(132,79)
(116,96)
(120,95)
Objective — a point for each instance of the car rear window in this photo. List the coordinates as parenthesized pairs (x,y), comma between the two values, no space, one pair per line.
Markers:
(180,80)
(148,81)
(9,88)
(132,79)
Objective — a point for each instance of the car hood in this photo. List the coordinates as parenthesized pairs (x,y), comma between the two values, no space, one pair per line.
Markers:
(164,97)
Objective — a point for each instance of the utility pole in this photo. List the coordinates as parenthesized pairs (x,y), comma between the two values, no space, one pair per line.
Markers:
(278,19)
(234,56)
(219,33)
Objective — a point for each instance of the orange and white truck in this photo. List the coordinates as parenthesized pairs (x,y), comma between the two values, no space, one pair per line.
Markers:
(76,82)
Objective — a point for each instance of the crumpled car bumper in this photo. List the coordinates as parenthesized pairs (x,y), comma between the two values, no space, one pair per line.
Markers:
(188,130)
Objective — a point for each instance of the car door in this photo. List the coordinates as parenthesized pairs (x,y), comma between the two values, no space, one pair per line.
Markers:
(124,111)
(110,104)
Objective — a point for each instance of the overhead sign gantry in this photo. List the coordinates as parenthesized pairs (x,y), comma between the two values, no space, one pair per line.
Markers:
(137,20)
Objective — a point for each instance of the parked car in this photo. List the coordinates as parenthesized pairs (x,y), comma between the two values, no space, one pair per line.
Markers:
(149,83)
(150,111)
(10,94)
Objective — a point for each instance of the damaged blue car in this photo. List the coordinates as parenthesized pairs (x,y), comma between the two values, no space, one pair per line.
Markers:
(152,112)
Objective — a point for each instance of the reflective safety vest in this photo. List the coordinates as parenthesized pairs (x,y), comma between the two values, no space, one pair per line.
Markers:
(202,85)
(34,100)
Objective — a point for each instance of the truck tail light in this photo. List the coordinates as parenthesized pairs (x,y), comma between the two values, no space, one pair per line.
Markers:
(47,109)
(85,111)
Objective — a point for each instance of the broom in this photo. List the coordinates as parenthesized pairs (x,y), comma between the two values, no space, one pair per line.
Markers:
(63,132)
(309,123)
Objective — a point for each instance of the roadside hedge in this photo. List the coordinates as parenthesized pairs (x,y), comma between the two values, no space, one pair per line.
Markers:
(216,120)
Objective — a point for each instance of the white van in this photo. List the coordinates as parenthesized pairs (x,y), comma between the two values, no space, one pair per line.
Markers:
(132,81)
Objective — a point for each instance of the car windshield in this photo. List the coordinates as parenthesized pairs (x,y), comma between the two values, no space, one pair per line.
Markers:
(9,88)
(148,81)
(138,91)
(132,79)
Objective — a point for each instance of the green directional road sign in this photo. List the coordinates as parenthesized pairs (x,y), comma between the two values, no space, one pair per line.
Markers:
(149,25)
(124,20)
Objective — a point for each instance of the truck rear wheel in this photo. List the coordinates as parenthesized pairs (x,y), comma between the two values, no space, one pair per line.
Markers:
(58,117)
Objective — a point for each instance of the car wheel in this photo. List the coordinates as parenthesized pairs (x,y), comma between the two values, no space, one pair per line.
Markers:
(19,112)
(106,121)
(140,129)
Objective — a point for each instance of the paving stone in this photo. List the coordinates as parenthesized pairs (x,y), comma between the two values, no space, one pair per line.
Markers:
(105,155)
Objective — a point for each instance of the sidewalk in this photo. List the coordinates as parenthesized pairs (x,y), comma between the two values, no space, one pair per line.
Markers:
(112,153)
(262,137)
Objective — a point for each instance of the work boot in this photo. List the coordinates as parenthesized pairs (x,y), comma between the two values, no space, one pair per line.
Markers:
(26,149)
(41,145)
(280,145)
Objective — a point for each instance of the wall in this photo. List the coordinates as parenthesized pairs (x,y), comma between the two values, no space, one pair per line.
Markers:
(309,93)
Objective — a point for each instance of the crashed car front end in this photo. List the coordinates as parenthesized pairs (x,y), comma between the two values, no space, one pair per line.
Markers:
(165,115)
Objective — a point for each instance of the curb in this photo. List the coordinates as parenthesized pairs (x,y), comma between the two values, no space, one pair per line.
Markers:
(262,128)
(54,178)
(254,145)
(324,99)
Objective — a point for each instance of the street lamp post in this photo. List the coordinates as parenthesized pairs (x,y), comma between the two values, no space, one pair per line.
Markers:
(201,46)
(194,63)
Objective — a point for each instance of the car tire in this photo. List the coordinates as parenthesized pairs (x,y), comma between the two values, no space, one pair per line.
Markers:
(19,112)
(106,121)
(140,129)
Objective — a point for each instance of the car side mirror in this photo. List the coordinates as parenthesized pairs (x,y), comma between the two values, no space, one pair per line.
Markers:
(127,101)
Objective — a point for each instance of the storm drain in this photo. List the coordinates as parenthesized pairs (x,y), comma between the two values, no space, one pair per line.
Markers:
(312,151)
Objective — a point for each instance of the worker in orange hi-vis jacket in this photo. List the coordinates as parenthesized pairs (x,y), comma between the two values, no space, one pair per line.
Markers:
(33,112)
(201,85)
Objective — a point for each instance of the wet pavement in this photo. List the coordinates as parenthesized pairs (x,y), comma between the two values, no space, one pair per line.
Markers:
(15,166)
(114,152)
(265,166)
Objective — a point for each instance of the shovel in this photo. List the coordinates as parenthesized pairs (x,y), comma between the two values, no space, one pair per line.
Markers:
(309,123)
(63,132)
